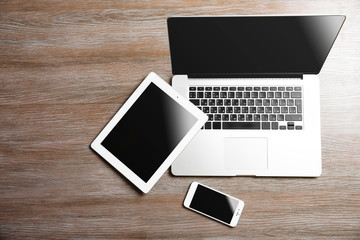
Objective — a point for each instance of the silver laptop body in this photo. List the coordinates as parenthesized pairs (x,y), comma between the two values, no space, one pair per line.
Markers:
(256,78)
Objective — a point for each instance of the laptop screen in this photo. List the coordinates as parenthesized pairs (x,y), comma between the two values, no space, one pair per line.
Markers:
(207,46)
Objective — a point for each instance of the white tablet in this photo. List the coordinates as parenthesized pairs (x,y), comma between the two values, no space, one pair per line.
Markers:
(148,132)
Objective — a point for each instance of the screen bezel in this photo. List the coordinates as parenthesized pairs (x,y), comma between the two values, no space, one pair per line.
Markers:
(237,212)
(201,118)
(249,74)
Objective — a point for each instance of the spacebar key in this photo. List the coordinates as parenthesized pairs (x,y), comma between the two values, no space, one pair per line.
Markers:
(241,125)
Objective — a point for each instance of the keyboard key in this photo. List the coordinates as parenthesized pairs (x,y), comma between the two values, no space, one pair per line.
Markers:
(256,117)
(216,125)
(292,109)
(251,102)
(297,88)
(290,102)
(286,94)
(241,125)
(281,88)
(290,125)
(254,95)
(223,94)
(210,117)
(273,88)
(257,89)
(235,102)
(196,102)
(252,109)
(219,102)
(200,88)
(280,117)
(262,94)
(192,88)
(268,109)
(208,88)
(298,127)
(248,88)
(264,117)
(240,88)
(213,109)
(231,94)
(272,117)
(217,117)
(284,109)
(265,88)
(211,102)
(293,117)
(274,102)
(206,109)
(282,102)
(265,125)
(224,88)
(278,94)
(298,104)
(274,125)
(260,110)
(200,94)
(208,125)
(289,88)
(276,109)
(207,94)
(296,95)
(216,88)
(227,102)
(270,95)
(241,117)
(229,109)
(225,117)
(215,94)
(244,109)
(232,88)
(237,110)
(238,94)
(249,117)
(242,102)
(221,109)
(282,127)
(203,102)
(233,117)
(192,95)
(246,94)
(258,102)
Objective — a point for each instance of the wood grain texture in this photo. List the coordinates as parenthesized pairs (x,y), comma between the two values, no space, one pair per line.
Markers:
(67,66)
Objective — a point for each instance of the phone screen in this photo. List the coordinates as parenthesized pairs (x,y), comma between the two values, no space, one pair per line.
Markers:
(214,204)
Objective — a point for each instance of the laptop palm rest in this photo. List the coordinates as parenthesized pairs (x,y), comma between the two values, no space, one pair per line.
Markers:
(245,153)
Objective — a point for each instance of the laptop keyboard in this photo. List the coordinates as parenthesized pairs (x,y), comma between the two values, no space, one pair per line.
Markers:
(250,107)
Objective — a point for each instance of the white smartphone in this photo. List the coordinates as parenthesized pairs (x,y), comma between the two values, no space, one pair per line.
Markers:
(214,204)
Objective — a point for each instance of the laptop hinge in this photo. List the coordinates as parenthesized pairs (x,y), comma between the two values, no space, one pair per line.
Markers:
(250,75)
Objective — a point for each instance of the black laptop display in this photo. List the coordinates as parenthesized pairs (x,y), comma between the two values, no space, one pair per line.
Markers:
(243,45)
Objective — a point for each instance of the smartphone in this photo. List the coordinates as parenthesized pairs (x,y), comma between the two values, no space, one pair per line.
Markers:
(214,204)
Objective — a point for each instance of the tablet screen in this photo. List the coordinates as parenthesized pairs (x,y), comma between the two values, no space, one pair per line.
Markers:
(148,132)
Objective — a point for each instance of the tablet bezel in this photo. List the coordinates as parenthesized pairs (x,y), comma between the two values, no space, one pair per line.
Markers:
(117,163)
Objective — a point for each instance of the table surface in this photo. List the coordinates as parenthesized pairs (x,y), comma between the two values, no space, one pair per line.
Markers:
(67,66)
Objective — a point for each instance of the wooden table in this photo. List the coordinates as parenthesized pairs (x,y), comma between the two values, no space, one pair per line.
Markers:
(67,66)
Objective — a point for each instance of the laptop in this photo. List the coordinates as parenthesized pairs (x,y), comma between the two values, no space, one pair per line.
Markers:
(256,79)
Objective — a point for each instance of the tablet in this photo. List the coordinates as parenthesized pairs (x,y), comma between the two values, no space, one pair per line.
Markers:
(148,132)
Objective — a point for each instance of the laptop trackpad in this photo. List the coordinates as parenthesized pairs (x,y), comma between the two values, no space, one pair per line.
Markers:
(245,153)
